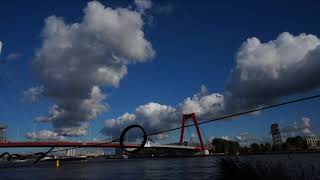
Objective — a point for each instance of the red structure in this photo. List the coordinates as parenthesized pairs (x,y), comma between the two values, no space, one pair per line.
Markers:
(63,144)
(192,116)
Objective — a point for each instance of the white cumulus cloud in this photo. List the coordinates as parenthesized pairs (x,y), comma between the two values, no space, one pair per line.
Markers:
(77,59)
(205,105)
(265,72)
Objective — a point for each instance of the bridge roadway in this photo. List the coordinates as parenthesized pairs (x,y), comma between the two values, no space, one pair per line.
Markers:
(87,144)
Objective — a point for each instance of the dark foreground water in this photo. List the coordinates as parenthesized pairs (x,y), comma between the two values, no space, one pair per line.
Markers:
(166,168)
(171,168)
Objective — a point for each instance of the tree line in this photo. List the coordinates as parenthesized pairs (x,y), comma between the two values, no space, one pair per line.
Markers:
(219,145)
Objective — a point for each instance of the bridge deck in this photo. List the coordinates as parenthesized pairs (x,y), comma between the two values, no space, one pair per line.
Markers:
(63,144)
(170,146)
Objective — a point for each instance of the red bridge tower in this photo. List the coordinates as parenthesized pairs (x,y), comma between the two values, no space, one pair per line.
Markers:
(192,116)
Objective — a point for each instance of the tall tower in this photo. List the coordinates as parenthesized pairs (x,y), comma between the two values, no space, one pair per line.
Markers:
(276,136)
(3,130)
(192,116)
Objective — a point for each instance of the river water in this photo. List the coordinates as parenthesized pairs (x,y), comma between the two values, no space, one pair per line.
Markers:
(158,168)
(164,168)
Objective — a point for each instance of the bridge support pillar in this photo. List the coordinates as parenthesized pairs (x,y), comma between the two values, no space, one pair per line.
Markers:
(186,117)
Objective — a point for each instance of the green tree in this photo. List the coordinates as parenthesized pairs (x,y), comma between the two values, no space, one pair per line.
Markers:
(233,147)
(255,147)
(225,146)
(296,143)
(244,150)
(267,147)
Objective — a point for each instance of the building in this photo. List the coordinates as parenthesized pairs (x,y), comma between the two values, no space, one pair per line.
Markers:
(276,136)
(3,130)
(313,142)
(71,152)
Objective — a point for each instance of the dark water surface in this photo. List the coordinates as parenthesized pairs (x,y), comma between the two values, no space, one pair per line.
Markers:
(168,168)
(165,168)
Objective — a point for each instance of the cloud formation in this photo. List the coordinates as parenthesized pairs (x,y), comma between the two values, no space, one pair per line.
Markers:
(13,56)
(44,135)
(245,139)
(143,5)
(163,9)
(302,128)
(33,94)
(205,105)
(151,116)
(225,138)
(76,59)
(264,73)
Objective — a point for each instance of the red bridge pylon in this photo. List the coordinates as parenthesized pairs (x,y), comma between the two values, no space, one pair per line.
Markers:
(192,116)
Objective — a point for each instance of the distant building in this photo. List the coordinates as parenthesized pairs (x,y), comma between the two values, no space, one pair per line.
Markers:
(313,142)
(94,154)
(276,136)
(3,130)
(71,152)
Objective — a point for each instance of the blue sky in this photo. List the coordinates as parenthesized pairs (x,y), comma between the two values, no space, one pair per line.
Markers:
(195,44)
